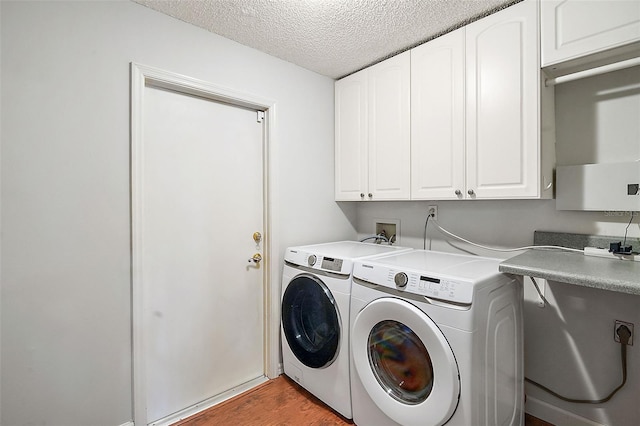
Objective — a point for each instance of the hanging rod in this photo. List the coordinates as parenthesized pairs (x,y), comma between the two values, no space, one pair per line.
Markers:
(593,71)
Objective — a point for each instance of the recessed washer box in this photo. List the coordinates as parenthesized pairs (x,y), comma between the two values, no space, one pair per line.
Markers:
(390,228)
(600,187)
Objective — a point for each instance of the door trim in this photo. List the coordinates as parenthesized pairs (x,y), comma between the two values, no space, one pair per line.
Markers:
(141,77)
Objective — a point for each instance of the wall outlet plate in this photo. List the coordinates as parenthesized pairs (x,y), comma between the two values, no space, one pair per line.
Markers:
(618,324)
(432,211)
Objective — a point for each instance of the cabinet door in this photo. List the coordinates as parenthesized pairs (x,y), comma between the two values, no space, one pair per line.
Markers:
(389,129)
(351,137)
(502,104)
(437,118)
(576,28)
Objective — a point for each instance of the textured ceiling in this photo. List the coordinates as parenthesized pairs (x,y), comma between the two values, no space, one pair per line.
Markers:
(330,37)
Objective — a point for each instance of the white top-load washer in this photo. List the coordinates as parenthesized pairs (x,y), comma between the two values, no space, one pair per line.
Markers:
(436,338)
(316,287)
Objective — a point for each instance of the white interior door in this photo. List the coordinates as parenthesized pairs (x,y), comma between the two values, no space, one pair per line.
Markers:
(201,196)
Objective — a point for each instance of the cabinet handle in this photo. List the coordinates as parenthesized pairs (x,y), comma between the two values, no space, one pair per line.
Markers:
(370,195)
(458,192)
(470,192)
(362,195)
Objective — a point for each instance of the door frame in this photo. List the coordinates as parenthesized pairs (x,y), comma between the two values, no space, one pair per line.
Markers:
(144,76)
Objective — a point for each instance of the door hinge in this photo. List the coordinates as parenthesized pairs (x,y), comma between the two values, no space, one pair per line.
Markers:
(260,116)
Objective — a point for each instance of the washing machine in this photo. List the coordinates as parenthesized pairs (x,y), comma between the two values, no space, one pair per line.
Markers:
(436,338)
(316,289)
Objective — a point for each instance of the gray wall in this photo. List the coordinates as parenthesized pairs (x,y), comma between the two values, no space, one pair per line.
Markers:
(66,339)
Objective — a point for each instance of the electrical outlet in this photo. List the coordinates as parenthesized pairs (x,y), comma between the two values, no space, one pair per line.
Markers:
(433,212)
(629,326)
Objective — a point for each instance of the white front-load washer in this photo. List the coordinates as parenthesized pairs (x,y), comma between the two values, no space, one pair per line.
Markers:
(316,288)
(436,338)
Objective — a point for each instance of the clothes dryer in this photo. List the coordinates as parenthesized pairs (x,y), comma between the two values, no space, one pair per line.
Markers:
(436,339)
(316,289)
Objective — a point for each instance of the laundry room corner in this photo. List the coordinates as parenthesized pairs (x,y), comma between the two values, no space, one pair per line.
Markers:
(571,338)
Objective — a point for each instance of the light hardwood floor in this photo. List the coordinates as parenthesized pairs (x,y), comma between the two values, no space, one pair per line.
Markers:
(279,402)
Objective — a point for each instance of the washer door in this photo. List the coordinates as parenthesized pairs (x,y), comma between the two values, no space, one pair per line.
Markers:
(405,363)
(310,321)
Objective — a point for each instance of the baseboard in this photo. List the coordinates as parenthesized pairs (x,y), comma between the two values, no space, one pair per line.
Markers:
(127,424)
(557,416)
(208,403)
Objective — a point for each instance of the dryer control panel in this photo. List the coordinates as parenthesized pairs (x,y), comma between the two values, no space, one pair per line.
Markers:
(318,261)
(433,286)
(443,289)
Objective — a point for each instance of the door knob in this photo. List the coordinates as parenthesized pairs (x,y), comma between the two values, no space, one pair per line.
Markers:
(257,258)
(257,237)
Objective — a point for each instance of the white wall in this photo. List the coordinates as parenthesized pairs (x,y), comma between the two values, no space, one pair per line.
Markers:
(569,345)
(598,119)
(66,339)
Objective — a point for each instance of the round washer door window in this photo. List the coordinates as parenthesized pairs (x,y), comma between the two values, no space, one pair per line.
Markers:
(404,362)
(400,362)
(310,321)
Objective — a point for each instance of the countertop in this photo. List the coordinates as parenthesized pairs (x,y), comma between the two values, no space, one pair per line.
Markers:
(574,268)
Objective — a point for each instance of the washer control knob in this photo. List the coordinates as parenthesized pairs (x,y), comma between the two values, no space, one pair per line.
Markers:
(311,260)
(401,279)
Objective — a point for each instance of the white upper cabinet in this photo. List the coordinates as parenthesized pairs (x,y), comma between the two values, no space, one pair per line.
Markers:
(475,111)
(573,29)
(351,161)
(389,129)
(437,118)
(471,127)
(503,105)
(373,132)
